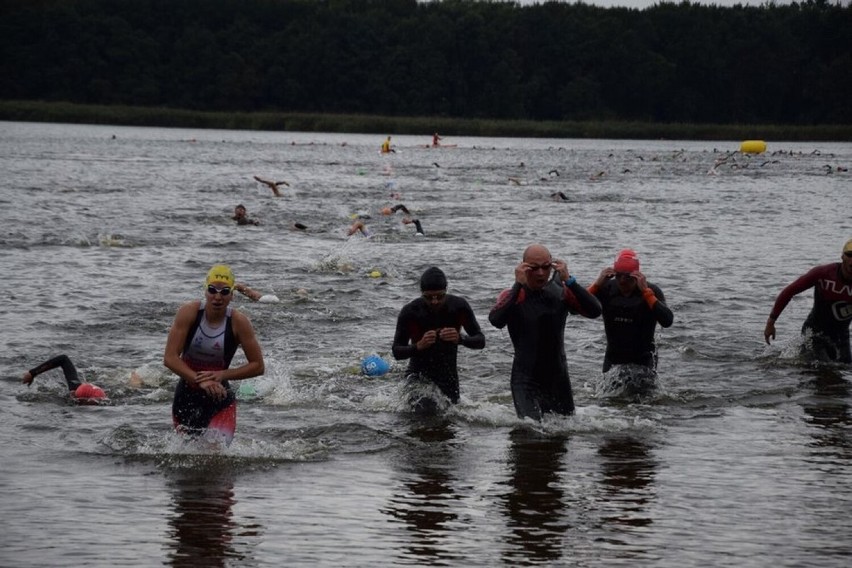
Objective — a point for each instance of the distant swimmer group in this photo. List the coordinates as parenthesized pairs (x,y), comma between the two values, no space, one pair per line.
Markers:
(534,308)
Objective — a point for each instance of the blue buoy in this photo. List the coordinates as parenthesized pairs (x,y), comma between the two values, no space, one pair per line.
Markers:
(374,366)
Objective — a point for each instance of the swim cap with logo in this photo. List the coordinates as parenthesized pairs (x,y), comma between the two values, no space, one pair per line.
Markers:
(374,366)
(220,273)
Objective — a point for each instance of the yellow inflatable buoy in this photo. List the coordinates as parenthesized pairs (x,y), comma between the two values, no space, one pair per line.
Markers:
(753,147)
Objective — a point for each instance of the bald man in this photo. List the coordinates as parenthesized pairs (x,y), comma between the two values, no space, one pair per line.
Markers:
(535,309)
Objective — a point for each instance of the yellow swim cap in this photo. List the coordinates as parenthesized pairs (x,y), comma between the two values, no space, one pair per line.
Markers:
(221,273)
(848,246)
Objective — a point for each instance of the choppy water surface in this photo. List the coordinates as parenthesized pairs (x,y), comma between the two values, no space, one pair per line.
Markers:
(742,458)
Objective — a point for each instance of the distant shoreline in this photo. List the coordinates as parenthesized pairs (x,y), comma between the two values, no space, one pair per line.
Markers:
(38,111)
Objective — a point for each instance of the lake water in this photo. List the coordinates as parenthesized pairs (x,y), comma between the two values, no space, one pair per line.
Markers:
(743,456)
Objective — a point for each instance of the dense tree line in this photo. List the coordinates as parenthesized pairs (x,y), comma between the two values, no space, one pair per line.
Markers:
(785,64)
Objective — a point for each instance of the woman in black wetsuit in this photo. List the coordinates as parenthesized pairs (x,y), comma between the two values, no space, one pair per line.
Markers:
(535,309)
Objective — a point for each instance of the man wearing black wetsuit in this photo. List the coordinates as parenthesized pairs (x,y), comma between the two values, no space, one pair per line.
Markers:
(535,309)
(428,333)
(632,308)
(828,322)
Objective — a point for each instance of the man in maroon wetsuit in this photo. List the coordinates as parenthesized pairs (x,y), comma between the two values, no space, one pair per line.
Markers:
(535,309)
(828,321)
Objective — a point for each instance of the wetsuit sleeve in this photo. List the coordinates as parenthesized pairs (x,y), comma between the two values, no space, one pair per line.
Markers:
(68,369)
(661,311)
(582,301)
(402,347)
(499,315)
(475,339)
(808,280)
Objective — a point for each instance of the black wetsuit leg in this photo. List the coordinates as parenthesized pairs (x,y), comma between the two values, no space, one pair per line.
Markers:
(559,401)
(527,398)
(534,401)
(420,393)
(825,348)
(648,359)
(193,409)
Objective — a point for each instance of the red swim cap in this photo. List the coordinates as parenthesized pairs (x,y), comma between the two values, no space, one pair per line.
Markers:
(88,390)
(626,261)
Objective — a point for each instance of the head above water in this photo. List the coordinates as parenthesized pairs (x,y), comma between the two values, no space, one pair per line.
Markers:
(539,261)
(433,280)
(626,261)
(220,274)
(846,261)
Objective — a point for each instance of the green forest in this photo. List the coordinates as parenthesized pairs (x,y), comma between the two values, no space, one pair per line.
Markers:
(552,61)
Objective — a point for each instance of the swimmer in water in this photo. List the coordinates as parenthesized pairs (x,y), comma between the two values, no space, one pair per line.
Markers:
(416,223)
(241,216)
(394,209)
(254,295)
(273,185)
(79,391)
(248,292)
(201,344)
(356,227)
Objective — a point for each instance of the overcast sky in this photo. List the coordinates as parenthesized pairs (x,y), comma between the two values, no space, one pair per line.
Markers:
(646,3)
